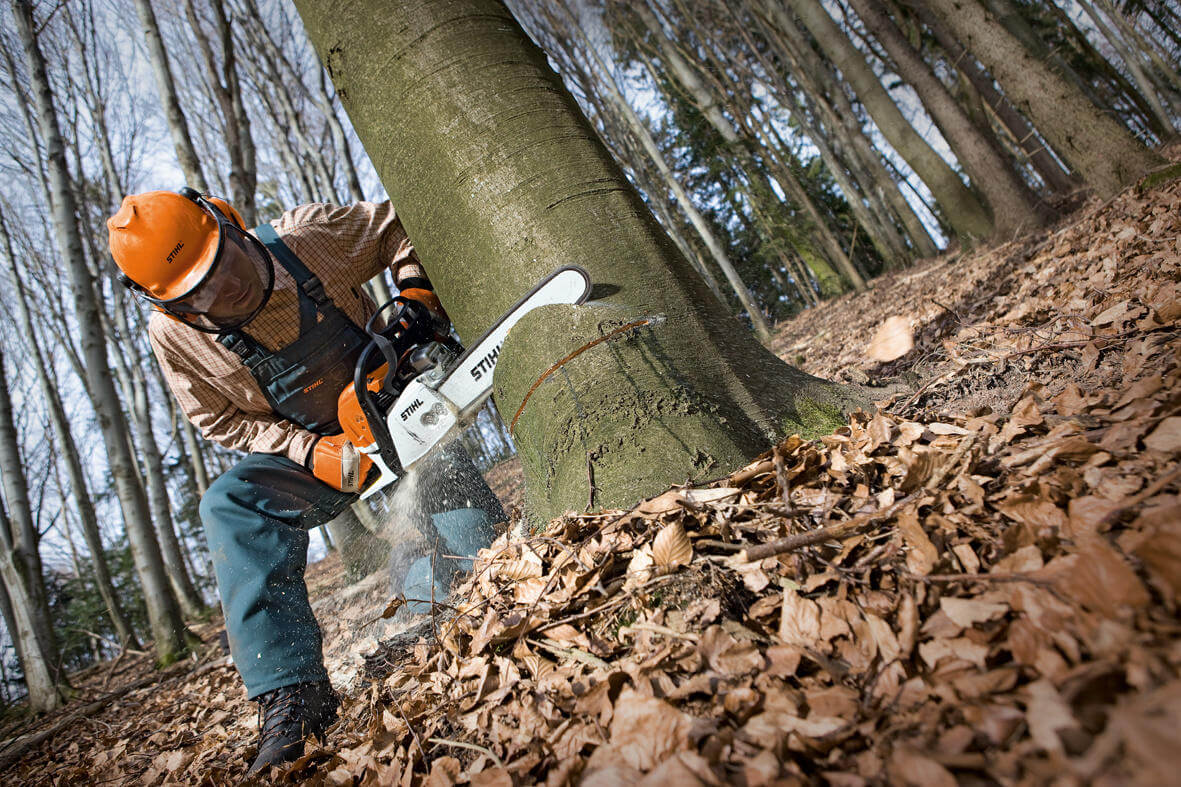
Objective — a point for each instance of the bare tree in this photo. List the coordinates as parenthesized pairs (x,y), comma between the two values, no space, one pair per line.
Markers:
(178,125)
(163,611)
(20,570)
(1096,146)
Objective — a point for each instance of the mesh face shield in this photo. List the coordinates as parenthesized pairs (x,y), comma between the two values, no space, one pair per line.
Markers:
(233,291)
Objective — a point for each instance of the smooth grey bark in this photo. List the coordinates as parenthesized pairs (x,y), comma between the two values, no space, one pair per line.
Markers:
(1097,147)
(965,213)
(1013,206)
(500,180)
(683,202)
(191,603)
(21,572)
(83,503)
(178,126)
(163,611)
(686,75)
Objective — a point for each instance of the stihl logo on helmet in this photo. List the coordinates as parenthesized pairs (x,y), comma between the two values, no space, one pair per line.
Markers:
(172,254)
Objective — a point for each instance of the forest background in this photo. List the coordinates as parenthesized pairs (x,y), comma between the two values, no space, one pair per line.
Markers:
(792,150)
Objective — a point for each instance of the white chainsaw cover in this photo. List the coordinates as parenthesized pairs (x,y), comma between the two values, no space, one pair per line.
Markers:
(427,411)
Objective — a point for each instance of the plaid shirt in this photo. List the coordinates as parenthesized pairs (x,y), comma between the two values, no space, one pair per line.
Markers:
(345,247)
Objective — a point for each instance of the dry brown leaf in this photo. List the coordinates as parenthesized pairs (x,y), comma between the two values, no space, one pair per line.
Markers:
(892,340)
(967,612)
(515,570)
(671,548)
(799,623)
(1166,438)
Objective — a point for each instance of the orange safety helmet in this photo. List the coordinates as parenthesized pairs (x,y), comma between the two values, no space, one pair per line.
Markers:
(166,242)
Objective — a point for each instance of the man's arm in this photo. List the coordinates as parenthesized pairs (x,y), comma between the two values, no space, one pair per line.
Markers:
(369,235)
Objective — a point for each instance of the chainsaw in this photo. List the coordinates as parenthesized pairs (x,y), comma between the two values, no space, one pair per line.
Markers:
(413,389)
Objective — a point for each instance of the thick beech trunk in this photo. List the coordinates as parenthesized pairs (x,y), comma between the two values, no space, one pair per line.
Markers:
(1101,150)
(163,611)
(499,180)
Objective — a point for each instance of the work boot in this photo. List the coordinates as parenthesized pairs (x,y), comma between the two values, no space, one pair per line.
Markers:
(286,716)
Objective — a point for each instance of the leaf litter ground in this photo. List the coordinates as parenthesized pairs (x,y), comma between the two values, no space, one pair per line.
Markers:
(977,585)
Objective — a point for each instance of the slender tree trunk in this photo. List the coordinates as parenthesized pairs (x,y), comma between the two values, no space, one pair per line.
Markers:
(1013,205)
(965,213)
(1097,147)
(818,78)
(1051,172)
(191,603)
(178,126)
(686,75)
(1131,59)
(655,386)
(163,611)
(711,242)
(20,570)
(222,79)
(83,503)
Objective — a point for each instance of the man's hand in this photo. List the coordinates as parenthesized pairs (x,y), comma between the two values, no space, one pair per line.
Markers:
(428,299)
(338,463)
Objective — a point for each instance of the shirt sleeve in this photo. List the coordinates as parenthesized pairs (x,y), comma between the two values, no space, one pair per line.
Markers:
(220,420)
(369,235)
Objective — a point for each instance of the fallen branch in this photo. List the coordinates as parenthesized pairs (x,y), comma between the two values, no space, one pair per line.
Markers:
(830,533)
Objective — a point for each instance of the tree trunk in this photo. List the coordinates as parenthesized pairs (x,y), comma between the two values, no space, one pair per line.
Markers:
(20,570)
(1051,172)
(163,611)
(191,603)
(1013,205)
(968,217)
(1097,147)
(500,179)
(68,449)
(686,205)
(1131,59)
(817,77)
(687,77)
(186,154)
(222,81)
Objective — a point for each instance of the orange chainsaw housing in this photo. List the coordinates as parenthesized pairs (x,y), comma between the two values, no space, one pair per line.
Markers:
(352,418)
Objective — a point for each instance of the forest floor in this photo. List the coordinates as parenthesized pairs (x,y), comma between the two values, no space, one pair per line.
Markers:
(978,585)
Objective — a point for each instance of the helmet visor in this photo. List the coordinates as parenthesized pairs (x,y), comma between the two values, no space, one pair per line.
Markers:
(235,288)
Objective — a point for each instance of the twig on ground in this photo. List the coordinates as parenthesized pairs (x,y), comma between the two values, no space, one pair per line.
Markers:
(839,530)
(466,745)
(571,653)
(426,763)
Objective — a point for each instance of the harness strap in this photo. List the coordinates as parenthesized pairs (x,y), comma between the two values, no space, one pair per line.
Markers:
(312,299)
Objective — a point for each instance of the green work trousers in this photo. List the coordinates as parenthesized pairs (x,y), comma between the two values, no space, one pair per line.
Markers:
(257,516)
